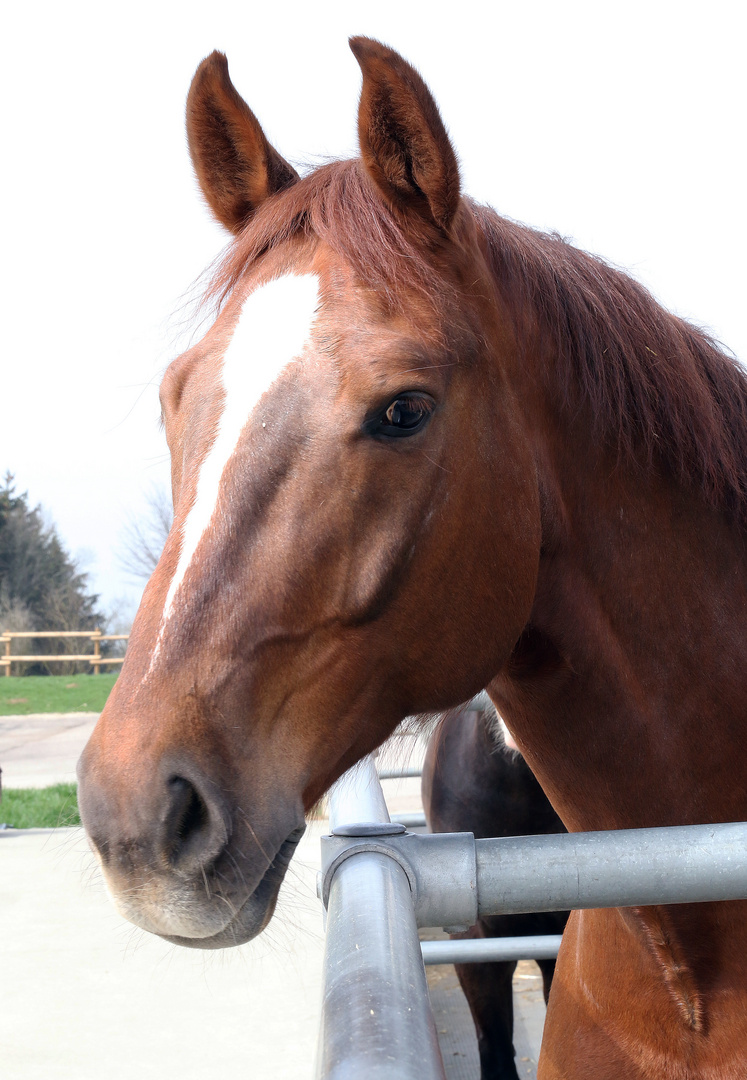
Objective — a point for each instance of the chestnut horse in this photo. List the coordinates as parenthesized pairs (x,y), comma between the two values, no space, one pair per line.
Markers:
(422,451)
(474,782)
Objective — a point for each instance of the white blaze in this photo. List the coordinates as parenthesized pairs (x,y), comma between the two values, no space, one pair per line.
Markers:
(272,330)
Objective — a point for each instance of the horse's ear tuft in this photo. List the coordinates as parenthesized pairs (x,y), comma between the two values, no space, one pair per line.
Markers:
(235,165)
(402,137)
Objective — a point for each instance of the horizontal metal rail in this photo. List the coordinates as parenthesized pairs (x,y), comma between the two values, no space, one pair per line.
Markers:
(9,635)
(489,950)
(681,864)
(456,879)
(72,657)
(404,772)
(414,820)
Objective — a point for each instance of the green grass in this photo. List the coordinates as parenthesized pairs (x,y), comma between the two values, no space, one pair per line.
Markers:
(40,808)
(24,694)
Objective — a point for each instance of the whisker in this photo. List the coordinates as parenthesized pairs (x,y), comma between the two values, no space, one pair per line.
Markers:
(204,878)
(254,835)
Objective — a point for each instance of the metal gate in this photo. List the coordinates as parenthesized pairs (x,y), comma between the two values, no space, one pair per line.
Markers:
(379,883)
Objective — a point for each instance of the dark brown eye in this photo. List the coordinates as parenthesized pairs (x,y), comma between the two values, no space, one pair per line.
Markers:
(406,415)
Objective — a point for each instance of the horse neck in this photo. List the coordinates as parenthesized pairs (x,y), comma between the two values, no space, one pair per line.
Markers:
(626,691)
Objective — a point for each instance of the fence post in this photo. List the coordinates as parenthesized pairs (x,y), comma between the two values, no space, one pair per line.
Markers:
(7,650)
(96,638)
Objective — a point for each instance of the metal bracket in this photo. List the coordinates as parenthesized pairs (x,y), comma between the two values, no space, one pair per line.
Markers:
(336,849)
(441,870)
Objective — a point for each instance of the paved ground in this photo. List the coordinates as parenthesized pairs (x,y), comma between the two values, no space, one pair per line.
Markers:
(84,994)
(456,1032)
(42,749)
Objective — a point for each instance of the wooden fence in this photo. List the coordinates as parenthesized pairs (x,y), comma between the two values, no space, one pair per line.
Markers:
(95,658)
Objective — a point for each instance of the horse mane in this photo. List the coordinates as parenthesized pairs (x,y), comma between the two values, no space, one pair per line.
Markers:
(656,386)
(338,204)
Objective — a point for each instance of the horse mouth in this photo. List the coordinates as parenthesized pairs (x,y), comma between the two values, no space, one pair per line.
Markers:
(254,914)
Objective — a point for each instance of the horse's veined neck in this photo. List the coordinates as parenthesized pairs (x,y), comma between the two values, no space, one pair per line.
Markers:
(624,681)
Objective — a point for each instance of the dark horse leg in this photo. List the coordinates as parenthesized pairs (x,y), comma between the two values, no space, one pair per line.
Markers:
(472,783)
(547,967)
(488,989)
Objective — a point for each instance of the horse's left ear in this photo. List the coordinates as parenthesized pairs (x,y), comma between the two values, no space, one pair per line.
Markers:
(403,140)
(236,166)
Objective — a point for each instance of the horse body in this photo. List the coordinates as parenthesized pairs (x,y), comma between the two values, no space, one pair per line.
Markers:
(480,458)
(473,783)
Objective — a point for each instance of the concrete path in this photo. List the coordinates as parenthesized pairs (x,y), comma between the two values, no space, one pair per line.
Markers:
(456,1032)
(83,994)
(42,748)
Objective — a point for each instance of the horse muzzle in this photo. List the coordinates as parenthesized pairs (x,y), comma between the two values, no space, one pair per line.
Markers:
(183,860)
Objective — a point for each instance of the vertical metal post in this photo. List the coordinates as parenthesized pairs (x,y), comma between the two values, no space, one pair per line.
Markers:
(357,800)
(376,1017)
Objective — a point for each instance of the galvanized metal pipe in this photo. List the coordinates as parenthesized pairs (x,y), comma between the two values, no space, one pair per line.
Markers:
(628,867)
(441,870)
(480,703)
(357,798)
(378,886)
(490,950)
(376,1017)
(411,820)
(400,772)
(455,878)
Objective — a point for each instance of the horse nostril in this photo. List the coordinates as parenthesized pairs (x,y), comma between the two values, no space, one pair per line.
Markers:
(188,814)
(194,832)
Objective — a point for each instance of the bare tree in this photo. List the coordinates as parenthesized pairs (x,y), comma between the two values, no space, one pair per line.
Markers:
(142,541)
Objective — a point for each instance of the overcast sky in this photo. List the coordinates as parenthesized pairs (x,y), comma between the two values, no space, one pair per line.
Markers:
(619,125)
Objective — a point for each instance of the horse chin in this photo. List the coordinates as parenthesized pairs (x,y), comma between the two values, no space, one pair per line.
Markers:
(256,911)
(181,920)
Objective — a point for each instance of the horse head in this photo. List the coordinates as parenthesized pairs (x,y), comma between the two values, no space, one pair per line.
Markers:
(356,514)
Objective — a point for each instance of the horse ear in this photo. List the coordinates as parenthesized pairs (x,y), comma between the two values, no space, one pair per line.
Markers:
(402,137)
(236,166)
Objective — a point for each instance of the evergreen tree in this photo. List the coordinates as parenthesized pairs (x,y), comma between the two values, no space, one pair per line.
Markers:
(40,585)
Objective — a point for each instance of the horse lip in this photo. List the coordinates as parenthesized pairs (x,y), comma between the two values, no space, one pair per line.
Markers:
(235,931)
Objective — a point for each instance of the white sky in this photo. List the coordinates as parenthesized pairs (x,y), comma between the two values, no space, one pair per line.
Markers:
(620,125)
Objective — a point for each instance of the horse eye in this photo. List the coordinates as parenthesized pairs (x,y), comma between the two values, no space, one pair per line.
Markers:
(406,415)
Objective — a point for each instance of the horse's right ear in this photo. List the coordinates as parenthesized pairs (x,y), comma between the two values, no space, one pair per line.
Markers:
(236,166)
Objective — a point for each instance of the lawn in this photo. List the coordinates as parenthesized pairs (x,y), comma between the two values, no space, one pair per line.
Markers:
(24,694)
(40,808)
